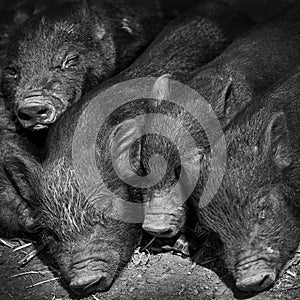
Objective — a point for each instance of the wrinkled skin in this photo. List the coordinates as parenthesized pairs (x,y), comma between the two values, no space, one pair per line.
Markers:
(61,53)
(89,244)
(256,211)
(184,45)
(89,247)
(241,73)
(17,198)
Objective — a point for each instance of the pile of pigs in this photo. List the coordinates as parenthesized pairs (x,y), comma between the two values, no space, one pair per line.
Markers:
(60,59)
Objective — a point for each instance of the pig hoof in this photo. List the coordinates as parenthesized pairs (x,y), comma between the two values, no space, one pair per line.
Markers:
(182,246)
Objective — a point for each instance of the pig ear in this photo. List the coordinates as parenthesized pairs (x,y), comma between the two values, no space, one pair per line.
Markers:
(98,28)
(276,141)
(223,93)
(161,88)
(124,151)
(23,174)
(22,13)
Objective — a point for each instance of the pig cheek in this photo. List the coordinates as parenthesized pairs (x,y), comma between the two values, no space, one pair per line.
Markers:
(63,96)
(289,237)
(69,89)
(281,218)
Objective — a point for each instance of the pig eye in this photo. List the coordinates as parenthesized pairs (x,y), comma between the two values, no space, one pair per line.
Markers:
(104,218)
(99,218)
(10,73)
(70,62)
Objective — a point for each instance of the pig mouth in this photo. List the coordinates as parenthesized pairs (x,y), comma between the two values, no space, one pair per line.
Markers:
(90,283)
(38,112)
(254,274)
(161,225)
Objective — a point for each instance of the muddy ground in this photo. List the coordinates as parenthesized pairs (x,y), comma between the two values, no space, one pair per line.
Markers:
(165,276)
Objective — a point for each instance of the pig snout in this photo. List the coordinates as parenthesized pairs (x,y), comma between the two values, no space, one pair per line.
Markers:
(36,111)
(161,225)
(90,274)
(254,274)
(89,283)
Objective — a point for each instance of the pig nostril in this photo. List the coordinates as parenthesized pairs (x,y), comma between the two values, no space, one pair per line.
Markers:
(24,116)
(36,113)
(266,281)
(257,282)
(42,111)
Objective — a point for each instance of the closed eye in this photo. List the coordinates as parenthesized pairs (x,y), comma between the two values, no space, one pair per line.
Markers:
(71,61)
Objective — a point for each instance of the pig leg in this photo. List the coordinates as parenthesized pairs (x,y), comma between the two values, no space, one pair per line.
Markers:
(182,245)
(16,200)
(23,213)
(15,215)
(191,231)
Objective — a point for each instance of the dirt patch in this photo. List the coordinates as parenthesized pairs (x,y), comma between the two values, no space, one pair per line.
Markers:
(162,276)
